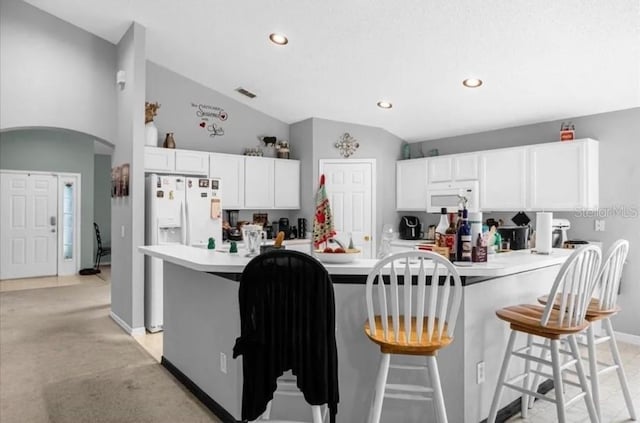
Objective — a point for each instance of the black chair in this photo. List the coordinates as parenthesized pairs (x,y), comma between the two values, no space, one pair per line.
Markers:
(287,319)
(101,251)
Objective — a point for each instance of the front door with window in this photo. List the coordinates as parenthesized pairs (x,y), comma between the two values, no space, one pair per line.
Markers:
(28,225)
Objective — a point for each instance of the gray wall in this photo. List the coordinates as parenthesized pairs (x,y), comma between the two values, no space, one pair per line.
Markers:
(314,139)
(54,74)
(102,199)
(618,133)
(175,93)
(242,129)
(127,213)
(56,151)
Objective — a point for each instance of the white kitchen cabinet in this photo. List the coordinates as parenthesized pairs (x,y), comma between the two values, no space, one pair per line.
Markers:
(465,167)
(453,168)
(503,179)
(258,182)
(158,159)
(189,162)
(440,169)
(230,168)
(286,184)
(564,175)
(411,184)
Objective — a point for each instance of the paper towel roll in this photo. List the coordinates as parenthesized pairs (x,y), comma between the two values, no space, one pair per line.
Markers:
(475,221)
(543,232)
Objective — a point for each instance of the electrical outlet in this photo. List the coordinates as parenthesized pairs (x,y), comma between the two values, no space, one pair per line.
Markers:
(599,225)
(480,373)
(223,363)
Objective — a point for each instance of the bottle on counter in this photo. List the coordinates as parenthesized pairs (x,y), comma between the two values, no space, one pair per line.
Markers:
(441,229)
(450,237)
(464,242)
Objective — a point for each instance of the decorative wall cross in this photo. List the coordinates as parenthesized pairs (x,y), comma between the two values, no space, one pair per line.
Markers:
(347,145)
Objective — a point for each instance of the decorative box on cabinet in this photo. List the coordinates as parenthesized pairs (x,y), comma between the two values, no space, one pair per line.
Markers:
(230,168)
(564,175)
(503,179)
(159,159)
(411,185)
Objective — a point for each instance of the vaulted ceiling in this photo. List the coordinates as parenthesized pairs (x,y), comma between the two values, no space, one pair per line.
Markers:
(539,60)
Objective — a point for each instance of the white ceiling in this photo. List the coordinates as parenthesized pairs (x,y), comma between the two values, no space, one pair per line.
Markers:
(540,60)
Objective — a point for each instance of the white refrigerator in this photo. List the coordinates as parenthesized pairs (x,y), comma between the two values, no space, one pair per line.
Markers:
(179,210)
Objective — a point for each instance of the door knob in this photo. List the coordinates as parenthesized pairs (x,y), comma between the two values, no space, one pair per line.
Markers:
(367,237)
(53,230)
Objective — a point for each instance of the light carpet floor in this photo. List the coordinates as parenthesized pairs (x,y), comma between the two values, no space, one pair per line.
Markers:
(63,360)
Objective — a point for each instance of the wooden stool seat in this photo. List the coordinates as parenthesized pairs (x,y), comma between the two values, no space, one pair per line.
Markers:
(594,309)
(425,346)
(526,318)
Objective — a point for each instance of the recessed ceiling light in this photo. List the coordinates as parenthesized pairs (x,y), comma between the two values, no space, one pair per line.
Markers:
(472,82)
(384,104)
(279,39)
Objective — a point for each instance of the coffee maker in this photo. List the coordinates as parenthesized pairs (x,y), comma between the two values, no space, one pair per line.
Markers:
(283,226)
(233,233)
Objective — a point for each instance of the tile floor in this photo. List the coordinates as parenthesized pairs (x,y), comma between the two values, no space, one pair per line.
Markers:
(613,405)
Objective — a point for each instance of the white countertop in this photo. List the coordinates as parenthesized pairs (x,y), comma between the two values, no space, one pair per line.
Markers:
(222,262)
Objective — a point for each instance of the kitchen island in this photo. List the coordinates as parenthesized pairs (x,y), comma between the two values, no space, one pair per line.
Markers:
(202,321)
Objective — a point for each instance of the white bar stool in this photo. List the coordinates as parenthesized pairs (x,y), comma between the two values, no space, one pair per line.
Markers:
(601,308)
(420,320)
(571,290)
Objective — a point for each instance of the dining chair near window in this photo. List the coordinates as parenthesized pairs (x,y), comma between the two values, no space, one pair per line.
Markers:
(102,250)
(411,320)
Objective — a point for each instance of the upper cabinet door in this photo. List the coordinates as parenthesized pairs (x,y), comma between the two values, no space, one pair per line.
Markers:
(259,182)
(564,175)
(440,169)
(503,179)
(230,168)
(465,167)
(287,184)
(411,184)
(192,162)
(159,159)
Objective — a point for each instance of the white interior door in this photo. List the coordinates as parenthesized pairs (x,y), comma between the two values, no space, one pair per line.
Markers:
(28,223)
(351,191)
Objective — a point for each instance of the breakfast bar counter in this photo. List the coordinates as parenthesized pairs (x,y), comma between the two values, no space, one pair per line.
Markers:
(202,321)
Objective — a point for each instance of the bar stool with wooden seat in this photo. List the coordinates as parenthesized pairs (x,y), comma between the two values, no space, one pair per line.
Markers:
(601,308)
(416,318)
(572,290)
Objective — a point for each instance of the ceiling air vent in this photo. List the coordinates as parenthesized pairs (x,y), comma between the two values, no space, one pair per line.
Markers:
(245,92)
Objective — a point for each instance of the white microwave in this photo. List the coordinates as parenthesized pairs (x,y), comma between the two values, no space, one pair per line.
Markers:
(449,195)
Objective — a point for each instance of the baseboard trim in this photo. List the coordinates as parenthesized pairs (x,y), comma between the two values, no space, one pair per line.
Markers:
(627,338)
(125,326)
(204,398)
